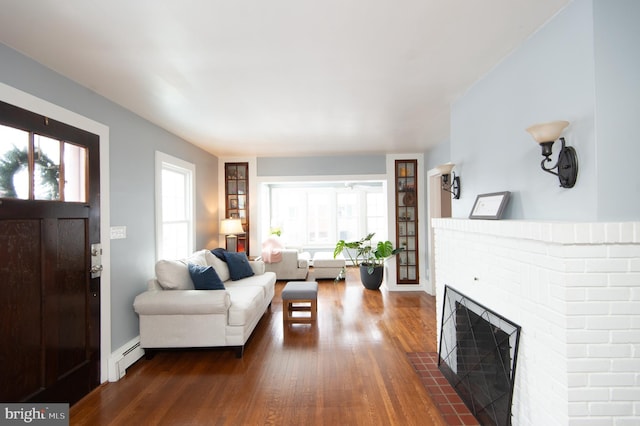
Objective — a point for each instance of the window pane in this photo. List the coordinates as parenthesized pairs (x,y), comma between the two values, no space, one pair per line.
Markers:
(349,216)
(174,193)
(319,218)
(377,215)
(46,171)
(174,243)
(14,163)
(75,173)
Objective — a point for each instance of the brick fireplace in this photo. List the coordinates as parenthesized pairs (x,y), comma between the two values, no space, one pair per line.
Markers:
(574,288)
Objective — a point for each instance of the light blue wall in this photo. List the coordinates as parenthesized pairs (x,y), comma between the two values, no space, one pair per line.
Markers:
(342,165)
(550,77)
(437,155)
(133,142)
(583,66)
(617,73)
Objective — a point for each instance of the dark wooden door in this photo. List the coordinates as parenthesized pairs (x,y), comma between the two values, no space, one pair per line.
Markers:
(49,303)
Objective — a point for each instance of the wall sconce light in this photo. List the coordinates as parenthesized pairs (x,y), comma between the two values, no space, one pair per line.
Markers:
(450,182)
(567,165)
(231,228)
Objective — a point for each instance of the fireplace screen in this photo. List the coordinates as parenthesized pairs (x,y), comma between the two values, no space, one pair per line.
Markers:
(478,352)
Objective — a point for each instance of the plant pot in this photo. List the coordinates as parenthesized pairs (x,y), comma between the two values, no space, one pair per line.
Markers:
(371,281)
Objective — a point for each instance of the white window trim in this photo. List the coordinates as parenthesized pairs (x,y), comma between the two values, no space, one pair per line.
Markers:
(190,168)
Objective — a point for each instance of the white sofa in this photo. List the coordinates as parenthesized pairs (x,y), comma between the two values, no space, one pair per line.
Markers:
(173,314)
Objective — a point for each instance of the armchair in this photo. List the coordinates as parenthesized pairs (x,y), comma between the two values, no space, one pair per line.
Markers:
(293,266)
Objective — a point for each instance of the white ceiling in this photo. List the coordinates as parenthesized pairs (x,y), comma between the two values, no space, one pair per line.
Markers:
(279,77)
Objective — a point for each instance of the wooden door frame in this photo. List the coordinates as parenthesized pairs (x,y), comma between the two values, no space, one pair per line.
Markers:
(32,103)
(435,209)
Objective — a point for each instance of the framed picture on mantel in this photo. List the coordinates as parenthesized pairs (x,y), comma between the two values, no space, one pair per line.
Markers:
(490,206)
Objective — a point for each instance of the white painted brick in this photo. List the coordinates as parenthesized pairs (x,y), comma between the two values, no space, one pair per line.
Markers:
(582,251)
(598,234)
(577,265)
(584,308)
(625,308)
(629,336)
(577,351)
(613,232)
(588,394)
(586,280)
(611,408)
(625,394)
(626,232)
(611,379)
(624,251)
(577,379)
(617,322)
(578,409)
(626,279)
(594,421)
(628,365)
(626,421)
(588,366)
(575,322)
(599,294)
(541,287)
(610,351)
(569,293)
(582,233)
(587,336)
(606,265)
(562,233)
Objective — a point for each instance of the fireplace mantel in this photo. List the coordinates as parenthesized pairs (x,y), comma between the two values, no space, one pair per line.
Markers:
(575,290)
(549,232)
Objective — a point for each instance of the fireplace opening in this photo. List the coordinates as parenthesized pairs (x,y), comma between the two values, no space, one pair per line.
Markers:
(478,352)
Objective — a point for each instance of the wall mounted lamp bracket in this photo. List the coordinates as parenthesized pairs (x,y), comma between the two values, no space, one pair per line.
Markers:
(566,166)
(451,183)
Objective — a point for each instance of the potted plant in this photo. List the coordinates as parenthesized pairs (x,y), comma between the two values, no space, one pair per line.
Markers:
(369,258)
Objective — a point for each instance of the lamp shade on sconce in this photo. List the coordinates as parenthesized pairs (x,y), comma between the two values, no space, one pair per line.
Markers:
(231,227)
(547,132)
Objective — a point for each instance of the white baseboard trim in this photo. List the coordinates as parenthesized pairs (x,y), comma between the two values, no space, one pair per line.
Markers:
(123,357)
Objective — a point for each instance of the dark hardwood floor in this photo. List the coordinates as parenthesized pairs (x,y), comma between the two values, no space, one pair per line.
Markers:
(350,368)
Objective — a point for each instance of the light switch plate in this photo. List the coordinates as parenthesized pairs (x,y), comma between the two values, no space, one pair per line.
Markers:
(118,232)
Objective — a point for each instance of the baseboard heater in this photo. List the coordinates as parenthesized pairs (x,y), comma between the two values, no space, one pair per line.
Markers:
(123,358)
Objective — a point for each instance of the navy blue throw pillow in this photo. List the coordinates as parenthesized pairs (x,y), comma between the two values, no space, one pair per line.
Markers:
(238,264)
(219,253)
(205,277)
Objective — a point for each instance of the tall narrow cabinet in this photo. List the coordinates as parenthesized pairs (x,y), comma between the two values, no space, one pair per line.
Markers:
(406,189)
(236,177)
